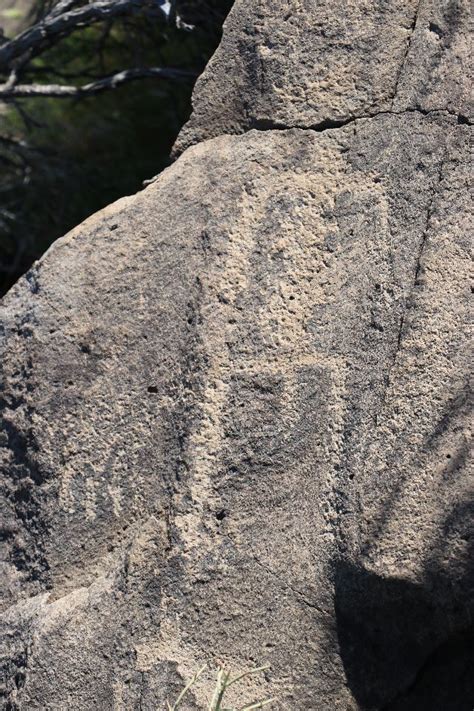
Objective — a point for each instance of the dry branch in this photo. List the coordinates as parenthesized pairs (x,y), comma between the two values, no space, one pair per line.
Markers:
(95,87)
(57,25)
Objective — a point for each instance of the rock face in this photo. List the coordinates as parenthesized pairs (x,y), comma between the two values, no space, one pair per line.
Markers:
(235,405)
(298,63)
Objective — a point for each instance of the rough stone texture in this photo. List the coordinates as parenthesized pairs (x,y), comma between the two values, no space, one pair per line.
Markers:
(235,422)
(288,63)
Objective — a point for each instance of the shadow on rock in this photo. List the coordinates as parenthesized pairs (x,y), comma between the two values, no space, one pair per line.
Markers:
(404,646)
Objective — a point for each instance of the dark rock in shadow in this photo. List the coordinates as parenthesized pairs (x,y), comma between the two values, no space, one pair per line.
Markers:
(404,646)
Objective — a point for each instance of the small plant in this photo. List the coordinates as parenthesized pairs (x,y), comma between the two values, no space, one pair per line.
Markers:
(223,682)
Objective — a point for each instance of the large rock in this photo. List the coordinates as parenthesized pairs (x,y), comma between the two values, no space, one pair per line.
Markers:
(235,416)
(307,64)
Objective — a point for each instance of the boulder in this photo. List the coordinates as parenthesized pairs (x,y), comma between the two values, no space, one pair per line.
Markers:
(297,63)
(235,406)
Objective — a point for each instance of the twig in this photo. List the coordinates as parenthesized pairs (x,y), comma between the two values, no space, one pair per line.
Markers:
(186,689)
(110,82)
(45,32)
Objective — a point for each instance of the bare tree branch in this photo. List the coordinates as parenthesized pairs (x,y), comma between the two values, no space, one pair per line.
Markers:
(62,6)
(110,82)
(54,26)
(56,22)
(13,143)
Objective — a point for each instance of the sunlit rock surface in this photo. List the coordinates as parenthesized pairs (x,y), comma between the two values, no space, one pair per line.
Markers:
(235,406)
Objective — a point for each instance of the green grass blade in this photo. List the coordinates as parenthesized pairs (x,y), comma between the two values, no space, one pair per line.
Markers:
(248,673)
(187,688)
(216,690)
(225,683)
